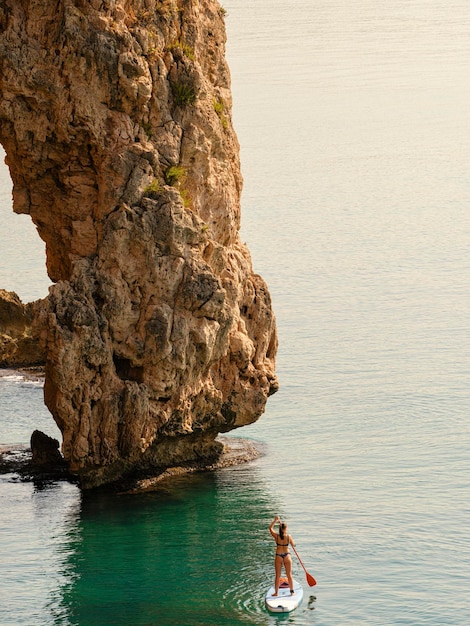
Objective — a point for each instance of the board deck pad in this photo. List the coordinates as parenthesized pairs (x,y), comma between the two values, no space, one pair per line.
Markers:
(284,602)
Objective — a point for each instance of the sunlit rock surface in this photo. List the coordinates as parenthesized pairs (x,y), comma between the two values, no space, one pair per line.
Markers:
(116,121)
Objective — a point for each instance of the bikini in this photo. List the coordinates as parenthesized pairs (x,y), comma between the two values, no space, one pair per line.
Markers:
(284,554)
(283,545)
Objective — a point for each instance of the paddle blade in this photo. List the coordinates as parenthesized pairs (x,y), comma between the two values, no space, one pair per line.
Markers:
(311,580)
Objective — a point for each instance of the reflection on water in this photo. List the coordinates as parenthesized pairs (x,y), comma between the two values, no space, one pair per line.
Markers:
(197,551)
(35,526)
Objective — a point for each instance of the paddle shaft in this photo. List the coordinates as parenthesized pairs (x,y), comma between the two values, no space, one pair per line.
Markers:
(310,579)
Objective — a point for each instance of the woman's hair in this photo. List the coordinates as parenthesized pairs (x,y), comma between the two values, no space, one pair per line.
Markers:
(282,528)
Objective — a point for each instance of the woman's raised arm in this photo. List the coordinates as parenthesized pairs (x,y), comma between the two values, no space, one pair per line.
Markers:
(271,528)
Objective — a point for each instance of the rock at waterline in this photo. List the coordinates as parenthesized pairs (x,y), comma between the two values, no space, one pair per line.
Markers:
(45,451)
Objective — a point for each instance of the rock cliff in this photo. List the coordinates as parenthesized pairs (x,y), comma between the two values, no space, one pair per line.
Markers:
(115,117)
(19,341)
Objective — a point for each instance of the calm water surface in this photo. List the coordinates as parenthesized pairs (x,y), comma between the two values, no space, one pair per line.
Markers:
(353,124)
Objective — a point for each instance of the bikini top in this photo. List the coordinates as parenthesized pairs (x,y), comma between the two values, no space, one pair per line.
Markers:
(284,545)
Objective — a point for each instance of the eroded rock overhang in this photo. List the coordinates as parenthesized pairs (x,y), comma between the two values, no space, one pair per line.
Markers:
(116,121)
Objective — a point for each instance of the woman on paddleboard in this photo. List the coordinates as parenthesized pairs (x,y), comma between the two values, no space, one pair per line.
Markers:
(283,540)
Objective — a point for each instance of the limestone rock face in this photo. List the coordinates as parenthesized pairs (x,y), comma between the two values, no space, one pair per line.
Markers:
(116,121)
(19,341)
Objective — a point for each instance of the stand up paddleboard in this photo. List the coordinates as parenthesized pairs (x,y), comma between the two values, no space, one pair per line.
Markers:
(284,602)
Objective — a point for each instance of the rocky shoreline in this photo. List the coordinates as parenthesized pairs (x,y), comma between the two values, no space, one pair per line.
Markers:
(18,461)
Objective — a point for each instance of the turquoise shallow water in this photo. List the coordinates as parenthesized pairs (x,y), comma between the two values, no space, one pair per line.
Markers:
(352,119)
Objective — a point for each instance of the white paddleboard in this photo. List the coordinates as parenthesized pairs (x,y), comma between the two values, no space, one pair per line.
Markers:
(284,602)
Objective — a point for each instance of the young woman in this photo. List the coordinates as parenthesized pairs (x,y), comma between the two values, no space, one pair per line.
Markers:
(283,540)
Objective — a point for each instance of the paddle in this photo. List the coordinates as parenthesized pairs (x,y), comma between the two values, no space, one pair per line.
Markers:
(310,579)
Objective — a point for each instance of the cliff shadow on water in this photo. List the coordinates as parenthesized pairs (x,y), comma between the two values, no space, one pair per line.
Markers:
(196,552)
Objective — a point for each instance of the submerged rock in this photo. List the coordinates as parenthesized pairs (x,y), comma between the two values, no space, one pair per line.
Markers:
(116,121)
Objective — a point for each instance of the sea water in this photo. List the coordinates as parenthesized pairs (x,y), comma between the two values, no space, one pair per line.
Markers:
(353,124)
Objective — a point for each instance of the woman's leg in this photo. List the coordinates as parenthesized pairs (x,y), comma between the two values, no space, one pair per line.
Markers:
(277,568)
(288,566)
